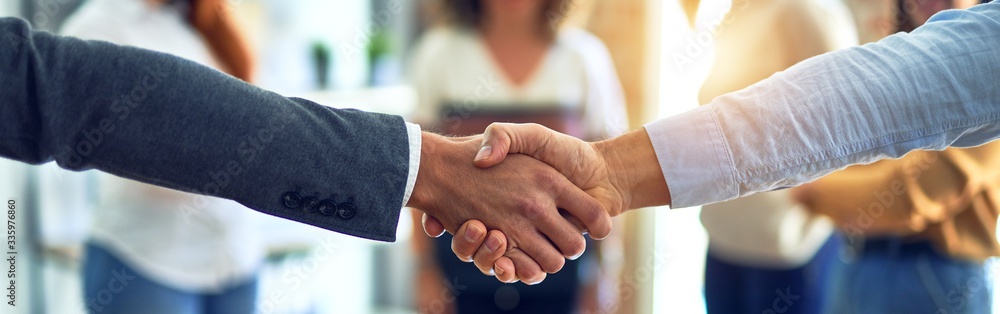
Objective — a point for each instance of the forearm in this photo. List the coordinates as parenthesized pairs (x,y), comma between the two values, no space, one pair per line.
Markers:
(929,89)
(162,120)
(230,46)
(875,196)
(896,196)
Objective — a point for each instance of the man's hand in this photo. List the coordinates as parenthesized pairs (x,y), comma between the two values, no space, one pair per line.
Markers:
(585,164)
(622,174)
(522,197)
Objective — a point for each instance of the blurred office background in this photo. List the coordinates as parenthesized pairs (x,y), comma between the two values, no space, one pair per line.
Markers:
(355,54)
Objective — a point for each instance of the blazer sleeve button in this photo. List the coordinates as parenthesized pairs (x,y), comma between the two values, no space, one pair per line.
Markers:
(309,204)
(327,208)
(291,200)
(346,211)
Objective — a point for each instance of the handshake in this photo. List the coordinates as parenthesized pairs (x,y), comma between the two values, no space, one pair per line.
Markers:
(520,197)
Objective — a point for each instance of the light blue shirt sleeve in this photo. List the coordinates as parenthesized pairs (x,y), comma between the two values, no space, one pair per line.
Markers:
(929,89)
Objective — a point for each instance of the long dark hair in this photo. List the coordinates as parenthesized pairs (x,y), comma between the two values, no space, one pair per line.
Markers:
(904,21)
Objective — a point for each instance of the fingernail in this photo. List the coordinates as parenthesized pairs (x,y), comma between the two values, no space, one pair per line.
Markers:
(493,243)
(574,257)
(499,271)
(484,153)
(532,283)
(492,272)
(472,234)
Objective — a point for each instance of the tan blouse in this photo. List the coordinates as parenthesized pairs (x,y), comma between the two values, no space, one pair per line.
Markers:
(949,198)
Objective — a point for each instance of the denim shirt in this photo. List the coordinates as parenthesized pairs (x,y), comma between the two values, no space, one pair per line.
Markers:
(929,89)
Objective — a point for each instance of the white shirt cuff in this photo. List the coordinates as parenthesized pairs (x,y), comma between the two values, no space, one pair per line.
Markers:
(694,158)
(414,134)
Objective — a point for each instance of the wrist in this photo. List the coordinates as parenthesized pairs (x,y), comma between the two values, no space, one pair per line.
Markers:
(635,170)
(440,159)
(420,197)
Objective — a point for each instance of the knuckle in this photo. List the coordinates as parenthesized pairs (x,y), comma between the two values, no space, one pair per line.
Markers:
(462,250)
(484,268)
(483,261)
(554,265)
(547,180)
(499,126)
(538,278)
(576,246)
(529,276)
(592,216)
(527,273)
(601,230)
(531,208)
(499,131)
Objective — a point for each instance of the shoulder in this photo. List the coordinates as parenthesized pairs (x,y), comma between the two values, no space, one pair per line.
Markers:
(580,41)
(436,41)
(585,47)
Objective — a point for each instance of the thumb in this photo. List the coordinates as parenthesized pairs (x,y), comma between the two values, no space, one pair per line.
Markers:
(432,227)
(496,144)
(501,139)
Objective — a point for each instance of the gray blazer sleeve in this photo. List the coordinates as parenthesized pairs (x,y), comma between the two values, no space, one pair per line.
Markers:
(163,120)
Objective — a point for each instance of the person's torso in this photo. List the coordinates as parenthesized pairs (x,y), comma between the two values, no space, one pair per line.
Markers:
(473,75)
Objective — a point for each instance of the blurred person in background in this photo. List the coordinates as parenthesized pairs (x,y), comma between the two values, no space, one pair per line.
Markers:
(763,246)
(874,19)
(180,252)
(919,228)
(513,60)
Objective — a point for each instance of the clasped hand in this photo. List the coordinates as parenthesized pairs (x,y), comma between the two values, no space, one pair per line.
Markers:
(557,189)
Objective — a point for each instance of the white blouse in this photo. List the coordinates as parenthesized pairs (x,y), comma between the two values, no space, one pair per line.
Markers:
(453,65)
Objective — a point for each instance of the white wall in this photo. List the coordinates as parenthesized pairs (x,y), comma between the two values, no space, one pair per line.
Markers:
(293,25)
(681,241)
(7,7)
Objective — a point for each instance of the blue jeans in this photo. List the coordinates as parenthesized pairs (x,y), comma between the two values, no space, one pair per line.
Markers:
(732,288)
(111,286)
(890,276)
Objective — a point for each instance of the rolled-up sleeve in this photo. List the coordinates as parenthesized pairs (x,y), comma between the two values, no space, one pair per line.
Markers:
(693,155)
